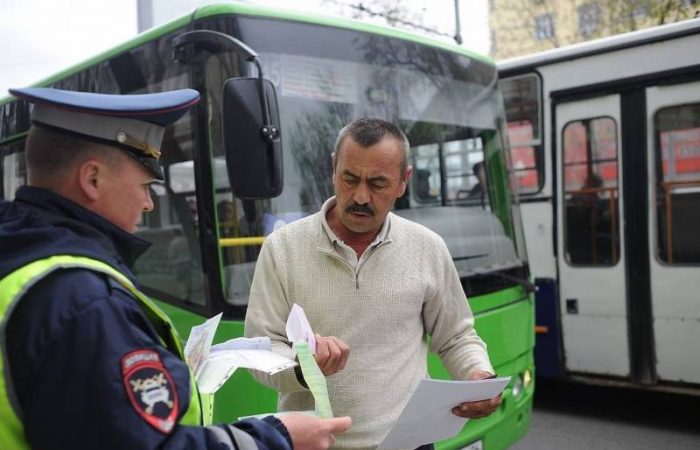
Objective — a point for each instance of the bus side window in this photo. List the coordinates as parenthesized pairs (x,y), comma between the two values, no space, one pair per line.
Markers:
(14,171)
(590,160)
(521,95)
(677,152)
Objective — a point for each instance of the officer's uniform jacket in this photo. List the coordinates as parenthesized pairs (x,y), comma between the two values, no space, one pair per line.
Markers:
(79,353)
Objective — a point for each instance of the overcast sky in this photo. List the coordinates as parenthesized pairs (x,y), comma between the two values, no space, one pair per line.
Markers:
(40,37)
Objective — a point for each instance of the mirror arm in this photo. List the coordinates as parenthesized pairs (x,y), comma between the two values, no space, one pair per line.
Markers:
(184,47)
(268,131)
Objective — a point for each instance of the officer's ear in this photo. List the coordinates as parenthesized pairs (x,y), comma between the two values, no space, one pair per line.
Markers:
(90,176)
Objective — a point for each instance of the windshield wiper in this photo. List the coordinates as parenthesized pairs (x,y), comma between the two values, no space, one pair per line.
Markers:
(529,287)
(463,258)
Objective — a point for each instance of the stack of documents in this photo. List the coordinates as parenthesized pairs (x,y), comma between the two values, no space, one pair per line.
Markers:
(427,417)
(212,365)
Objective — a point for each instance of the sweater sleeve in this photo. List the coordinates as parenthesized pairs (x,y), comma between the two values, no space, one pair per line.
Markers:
(268,309)
(449,320)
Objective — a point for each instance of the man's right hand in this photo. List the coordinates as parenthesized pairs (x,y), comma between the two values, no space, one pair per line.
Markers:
(312,433)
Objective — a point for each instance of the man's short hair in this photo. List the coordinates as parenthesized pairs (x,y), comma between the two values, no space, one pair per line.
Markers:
(50,154)
(368,132)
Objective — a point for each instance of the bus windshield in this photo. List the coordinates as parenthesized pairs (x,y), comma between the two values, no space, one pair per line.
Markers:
(446,103)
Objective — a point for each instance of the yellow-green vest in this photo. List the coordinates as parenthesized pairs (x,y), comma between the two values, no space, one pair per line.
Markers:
(14,285)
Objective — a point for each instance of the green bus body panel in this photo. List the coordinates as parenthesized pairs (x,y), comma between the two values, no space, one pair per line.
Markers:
(504,319)
(506,425)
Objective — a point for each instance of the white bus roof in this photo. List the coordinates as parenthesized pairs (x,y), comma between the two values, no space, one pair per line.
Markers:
(602,45)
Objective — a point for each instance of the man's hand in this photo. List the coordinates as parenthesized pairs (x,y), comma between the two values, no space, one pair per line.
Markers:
(312,433)
(476,410)
(331,354)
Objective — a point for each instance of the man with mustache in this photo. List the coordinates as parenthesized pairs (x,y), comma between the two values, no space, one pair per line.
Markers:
(373,285)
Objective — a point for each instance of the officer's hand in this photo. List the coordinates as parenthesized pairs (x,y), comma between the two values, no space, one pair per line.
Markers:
(475,410)
(331,354)
(312,433)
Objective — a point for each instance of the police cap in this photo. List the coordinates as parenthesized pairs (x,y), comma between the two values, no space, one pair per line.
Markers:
(134,123)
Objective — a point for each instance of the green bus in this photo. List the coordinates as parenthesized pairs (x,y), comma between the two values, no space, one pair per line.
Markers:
(224,193)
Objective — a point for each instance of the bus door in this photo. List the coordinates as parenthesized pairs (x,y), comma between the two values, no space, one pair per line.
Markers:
(590,260)
(673,134)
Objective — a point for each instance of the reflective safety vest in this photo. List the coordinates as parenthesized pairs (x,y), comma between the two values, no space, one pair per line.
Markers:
(14,285)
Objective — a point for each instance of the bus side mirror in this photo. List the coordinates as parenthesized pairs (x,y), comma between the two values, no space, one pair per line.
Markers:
(252,141)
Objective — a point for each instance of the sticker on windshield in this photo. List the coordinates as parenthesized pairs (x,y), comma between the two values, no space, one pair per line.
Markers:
(319,79)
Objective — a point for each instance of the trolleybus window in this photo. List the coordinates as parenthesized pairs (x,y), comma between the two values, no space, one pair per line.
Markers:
(521,95)
(591,195)
(677,136)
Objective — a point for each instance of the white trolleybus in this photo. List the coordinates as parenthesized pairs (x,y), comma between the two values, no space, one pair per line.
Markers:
(605,139)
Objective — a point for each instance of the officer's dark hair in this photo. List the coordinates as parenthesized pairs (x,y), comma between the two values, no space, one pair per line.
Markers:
(51,154)
(368,132)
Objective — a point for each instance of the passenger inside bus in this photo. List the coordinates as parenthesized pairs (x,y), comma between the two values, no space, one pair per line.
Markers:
(479,189)
(589,227)
(226,218)
(422,186)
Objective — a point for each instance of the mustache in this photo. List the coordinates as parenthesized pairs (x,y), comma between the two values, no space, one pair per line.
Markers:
(363,209)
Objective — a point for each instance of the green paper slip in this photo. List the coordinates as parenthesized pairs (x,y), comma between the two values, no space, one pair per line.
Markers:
(314,379)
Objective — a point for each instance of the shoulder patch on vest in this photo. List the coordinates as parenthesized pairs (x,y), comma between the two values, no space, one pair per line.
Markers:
(150,388)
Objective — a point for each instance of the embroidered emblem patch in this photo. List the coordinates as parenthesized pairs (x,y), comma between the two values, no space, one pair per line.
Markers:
(150,388)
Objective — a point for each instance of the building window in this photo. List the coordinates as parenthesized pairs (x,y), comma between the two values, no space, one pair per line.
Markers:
(588,19)
(544,27)
(639,12)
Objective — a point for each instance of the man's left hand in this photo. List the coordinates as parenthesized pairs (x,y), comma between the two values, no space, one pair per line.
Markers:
(483,408)
(331,354)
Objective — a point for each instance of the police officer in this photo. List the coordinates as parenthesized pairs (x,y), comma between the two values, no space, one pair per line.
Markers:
(87,360)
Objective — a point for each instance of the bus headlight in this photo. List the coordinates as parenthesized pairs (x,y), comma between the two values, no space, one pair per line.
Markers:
(517,388)
(527,378)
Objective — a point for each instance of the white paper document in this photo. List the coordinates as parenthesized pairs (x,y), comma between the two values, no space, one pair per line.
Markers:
(199,343)
(213,365)
(222,363)
(428,417)
(298,328)
(303,340)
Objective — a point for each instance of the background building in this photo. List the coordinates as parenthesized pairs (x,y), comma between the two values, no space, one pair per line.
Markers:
(520,27)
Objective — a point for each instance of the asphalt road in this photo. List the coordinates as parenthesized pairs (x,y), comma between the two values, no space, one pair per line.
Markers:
(576,417)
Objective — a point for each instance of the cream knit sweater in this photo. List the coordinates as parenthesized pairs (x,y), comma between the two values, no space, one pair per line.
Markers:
(406,288)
